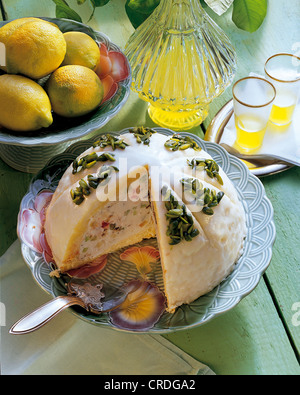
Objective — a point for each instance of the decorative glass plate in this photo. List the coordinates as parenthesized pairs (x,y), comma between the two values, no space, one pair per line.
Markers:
(33,150)
(244,278)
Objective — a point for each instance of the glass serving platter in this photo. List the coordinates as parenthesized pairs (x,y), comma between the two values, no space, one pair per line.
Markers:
(244,278)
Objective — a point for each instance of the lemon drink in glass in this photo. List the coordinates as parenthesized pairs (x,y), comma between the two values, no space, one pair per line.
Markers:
(252,101)
(283,71)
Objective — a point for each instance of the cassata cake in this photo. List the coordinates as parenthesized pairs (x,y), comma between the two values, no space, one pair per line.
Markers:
(142,185)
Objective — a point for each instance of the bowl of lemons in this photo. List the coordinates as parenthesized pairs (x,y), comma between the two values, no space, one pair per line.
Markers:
(60,81)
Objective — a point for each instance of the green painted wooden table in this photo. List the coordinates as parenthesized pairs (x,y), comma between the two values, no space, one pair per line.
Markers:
(261,335)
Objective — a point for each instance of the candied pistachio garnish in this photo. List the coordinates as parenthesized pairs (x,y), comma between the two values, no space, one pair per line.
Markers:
(110,140)
(88,161)
(177,142)
(204,197)
(181,223)
(209,165)
(142,134)
(79,194)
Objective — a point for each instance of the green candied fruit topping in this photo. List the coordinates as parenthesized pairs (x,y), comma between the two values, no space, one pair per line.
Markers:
(209,165)
(142,134)
(88,161)
(79,194)
(181,223)
(110,140)
(205,197)
(177,142)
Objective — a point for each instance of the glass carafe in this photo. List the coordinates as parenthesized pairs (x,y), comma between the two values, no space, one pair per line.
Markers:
(181,60)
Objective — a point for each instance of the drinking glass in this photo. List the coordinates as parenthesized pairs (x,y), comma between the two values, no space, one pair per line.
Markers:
(252,103)
(283,71)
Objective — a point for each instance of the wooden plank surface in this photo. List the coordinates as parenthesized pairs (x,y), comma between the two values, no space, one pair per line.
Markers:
(252,338)
(14,185)
(248,340)
(280,32)
(283,275)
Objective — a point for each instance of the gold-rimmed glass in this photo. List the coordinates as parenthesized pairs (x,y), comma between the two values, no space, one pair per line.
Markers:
(283,71)
(252,102)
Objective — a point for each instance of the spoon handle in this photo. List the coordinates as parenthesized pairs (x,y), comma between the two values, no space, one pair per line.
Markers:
(43,314)
(263,159)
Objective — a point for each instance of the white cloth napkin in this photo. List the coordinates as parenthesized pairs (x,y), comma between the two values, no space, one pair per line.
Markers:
(281,142)
(70,346)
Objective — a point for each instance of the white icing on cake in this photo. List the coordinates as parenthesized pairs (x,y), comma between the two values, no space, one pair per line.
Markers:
(108,219)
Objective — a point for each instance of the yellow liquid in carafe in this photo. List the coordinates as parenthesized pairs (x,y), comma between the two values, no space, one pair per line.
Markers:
(250,131)
(178,83)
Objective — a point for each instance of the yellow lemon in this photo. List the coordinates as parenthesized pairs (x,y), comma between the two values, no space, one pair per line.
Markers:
(10,27)
(24,105)
(74,90)
(35,49)
(81,50)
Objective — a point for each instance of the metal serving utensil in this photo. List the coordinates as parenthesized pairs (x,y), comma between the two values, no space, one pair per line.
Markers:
(90,297)
(261,159)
